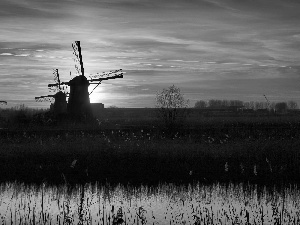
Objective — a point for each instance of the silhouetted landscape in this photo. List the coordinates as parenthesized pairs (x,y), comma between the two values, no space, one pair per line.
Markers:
(166,112)
(131,147)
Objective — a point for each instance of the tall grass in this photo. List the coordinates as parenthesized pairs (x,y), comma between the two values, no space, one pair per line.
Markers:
(19,116)
(151,156)
(163,204)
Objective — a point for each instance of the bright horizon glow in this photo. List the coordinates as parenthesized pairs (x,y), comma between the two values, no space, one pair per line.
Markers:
(97,96)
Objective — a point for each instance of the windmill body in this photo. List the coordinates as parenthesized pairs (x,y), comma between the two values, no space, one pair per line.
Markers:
(79,101)
(60,103)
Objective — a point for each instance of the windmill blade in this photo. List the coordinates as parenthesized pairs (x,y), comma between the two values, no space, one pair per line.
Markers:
(56,77)
(77,69)
(78,57)
(107,78)
(55,85)
(58,86)
(47,98)
(112,73)
(75,48)
(54,89)
(267,99)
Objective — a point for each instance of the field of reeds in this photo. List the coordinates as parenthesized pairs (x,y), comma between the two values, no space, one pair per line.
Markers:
(209,170)
(263,151)
(164,204)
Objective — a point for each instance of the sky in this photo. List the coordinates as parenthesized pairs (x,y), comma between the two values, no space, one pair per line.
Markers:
(210,49)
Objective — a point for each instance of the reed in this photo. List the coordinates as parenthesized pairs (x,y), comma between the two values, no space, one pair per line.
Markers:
(162,204)
(150,156)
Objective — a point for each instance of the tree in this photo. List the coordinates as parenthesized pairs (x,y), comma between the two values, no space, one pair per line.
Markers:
(281,106)
(172,106)
(113,107)
(292,105)
(200,104)
(214,103)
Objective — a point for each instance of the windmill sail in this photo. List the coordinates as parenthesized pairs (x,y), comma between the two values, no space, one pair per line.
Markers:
(44,98)
(78,58)
(56,77)
(58,86)
(106,74)
(106,78)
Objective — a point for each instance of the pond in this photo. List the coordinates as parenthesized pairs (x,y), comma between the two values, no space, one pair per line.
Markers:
(162,204)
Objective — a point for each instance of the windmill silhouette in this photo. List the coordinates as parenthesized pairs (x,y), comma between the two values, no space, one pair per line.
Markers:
(60,103)
(79,101)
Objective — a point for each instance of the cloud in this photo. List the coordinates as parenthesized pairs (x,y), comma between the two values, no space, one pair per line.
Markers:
(191,43)
(6,54)
(33,9)
(22,55)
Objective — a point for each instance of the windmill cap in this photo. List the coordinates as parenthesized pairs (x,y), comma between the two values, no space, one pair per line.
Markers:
(79,81)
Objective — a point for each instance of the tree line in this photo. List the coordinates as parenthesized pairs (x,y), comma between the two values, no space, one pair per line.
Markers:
(216,103)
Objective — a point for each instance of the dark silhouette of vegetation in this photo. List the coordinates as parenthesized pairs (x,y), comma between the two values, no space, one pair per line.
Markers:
(23,118)
(113,107)
(171,106)
(19,116)
(281,106)
(262,152)
(216,103)
(132,149)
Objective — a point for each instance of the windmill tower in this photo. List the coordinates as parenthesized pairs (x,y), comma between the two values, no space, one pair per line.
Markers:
(60,103)
(79,101)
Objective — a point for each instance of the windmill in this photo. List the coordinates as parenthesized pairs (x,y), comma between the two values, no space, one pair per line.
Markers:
(79,101)
(60,103)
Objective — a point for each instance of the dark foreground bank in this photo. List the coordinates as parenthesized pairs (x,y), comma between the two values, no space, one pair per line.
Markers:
(256,154)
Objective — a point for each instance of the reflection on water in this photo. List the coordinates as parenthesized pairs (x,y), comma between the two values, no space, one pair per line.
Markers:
(165,204)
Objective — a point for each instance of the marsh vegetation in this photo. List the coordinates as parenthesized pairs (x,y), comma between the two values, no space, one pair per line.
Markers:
(220,170)
(163,204)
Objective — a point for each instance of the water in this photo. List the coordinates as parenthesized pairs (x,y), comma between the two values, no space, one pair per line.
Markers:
(165,204)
